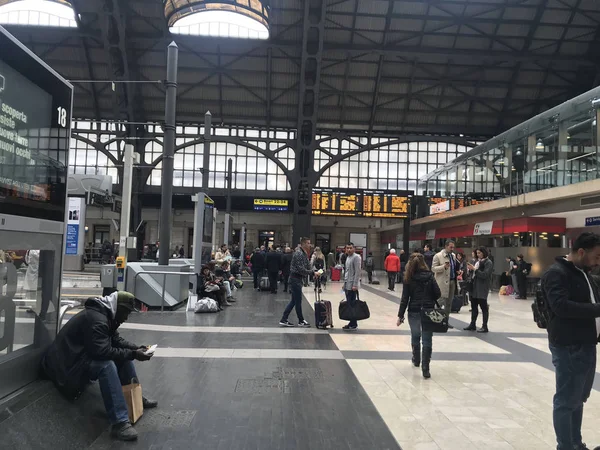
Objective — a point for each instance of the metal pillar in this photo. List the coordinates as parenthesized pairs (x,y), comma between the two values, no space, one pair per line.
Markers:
(126,194)
(168,155)
(206,154)
(229,185)
(406,236)
(304,177)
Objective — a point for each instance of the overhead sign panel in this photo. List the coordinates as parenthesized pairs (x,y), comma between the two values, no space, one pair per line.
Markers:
(483,228)
(271,204)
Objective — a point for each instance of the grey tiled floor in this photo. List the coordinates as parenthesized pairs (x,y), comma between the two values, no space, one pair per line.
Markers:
(279,393)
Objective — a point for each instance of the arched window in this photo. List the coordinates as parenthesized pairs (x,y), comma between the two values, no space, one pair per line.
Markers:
(389,167)
(245,19)
(48,13)
(251,169)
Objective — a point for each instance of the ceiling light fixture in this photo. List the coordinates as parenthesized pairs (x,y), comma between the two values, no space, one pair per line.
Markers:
(539,145)
(245,19)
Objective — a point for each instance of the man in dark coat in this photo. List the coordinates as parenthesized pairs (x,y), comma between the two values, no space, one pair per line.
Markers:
(273,265)
(286,264)
(89,347)
(573,302)
(258,265)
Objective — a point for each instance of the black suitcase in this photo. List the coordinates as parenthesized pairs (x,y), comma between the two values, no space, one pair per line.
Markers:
(457,303)
(323,310)
(265,283)
(375,279)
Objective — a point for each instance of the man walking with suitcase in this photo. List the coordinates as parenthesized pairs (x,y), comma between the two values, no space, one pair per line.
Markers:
(351,280)
(299,269)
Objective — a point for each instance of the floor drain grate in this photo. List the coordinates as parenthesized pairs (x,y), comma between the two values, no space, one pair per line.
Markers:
(298,373)
(173,419)
(263,314)
(262,386)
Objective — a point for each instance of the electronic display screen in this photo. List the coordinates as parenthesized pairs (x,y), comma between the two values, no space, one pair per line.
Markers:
(377,204)
(270,204)
(207,229)
(35,117)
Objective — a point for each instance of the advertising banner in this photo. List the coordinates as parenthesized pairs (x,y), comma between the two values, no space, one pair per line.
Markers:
(73,225)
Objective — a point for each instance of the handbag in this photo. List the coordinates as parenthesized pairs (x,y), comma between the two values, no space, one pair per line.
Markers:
(434,319)
(357,310)
(211,288)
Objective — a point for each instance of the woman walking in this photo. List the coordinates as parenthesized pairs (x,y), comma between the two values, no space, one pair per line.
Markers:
(420,291)
(482,277)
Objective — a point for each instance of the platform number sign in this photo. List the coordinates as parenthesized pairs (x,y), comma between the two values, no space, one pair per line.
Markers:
(62,121)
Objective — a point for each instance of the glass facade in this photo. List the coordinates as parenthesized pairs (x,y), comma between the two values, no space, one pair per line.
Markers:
(263,159)
(390,165)
(556,148)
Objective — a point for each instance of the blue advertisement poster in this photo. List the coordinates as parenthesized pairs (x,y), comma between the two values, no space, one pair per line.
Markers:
(72,239)
(73,223)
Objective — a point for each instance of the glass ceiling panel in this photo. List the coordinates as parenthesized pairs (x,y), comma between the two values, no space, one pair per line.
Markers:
(46,13)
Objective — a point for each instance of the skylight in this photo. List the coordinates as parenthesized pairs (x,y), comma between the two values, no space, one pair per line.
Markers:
(242,19)
(45,13)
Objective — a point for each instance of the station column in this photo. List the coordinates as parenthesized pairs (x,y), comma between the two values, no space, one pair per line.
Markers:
(304,177)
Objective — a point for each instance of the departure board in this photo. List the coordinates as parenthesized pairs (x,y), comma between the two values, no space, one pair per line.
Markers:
(380,204)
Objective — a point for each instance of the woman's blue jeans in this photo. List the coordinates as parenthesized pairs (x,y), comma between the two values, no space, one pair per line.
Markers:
(416,332)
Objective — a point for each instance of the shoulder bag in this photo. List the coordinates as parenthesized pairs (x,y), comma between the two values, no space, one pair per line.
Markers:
(434,319)
(357,310)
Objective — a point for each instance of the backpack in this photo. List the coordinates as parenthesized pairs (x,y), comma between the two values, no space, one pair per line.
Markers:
(541,315)
(369,262)
(319,263)
(527,270)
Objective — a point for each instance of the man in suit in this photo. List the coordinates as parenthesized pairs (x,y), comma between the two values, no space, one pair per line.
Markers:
(445,267)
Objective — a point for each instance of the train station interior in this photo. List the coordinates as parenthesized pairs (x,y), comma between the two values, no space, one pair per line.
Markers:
(190,162)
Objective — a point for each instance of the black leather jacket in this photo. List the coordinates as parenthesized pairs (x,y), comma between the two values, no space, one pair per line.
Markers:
(572,312)
(422,292)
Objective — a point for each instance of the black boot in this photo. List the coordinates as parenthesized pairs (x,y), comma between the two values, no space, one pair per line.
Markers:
(474,314)
(486,316)
(426,361)
(416,357)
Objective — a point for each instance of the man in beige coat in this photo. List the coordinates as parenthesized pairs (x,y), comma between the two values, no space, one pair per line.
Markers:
(445,268)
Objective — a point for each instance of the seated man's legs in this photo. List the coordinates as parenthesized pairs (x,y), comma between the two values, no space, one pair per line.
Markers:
(110,380)
(227,287)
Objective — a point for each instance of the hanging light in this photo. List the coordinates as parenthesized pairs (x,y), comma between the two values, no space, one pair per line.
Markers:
(539,145)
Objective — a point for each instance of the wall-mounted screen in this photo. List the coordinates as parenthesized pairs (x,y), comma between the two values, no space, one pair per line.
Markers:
(35,117)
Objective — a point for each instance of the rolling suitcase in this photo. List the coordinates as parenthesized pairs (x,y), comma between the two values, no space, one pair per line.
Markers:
(265,283)
(323,314)
(457,303)
(375,279)
(336,274)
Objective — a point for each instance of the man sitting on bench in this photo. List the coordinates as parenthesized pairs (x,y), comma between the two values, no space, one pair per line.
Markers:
(89,347)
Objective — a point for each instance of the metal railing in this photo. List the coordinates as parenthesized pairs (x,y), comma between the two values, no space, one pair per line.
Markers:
(164,274)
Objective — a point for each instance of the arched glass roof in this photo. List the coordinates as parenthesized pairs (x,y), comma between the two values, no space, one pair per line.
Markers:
(48,13)
(245,19)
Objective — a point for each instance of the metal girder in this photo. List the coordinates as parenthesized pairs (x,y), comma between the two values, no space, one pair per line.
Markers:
(88,62)
(304,176)
(114,40)
(388,21)
(513,79)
